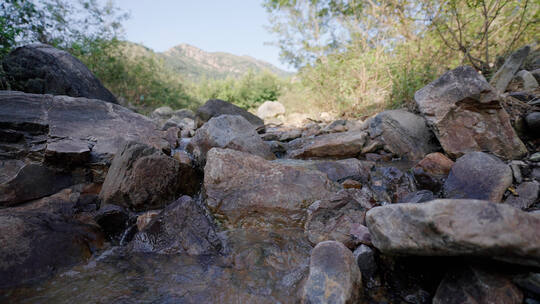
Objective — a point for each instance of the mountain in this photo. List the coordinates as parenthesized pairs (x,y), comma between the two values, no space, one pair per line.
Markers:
(194,63)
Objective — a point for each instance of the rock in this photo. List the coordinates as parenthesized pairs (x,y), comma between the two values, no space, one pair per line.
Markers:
(365,258)
(527,80)
(171,136)
(402,133)
(270,109)
(246,190)
(162,113)
(36,244)
(436,164)
(533,122)
(142,178)
(536,75)
(527,195)
(472,285)
(535,157)
(453,227)
(337,145)
(504,75)
(478,175)
(516,170)
(334,276)
(529,282)
(30,181)
(113,220)
(217,107)
(337,170)
(182,227)
(417,197)
(43,69)
(391,184)
(296,119)
(184,113)
(339,218)
(144,219)
(466,115)
(227,131)
(351,184)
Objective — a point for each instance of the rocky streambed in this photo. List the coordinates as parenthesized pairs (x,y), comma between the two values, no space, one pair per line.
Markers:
(99,204)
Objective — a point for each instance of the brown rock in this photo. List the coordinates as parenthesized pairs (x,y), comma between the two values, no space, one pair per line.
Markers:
(247,190)
(334,276)
(456,227)
(436,164)
(466,115)
(338,145)
(144,219)
(472,285)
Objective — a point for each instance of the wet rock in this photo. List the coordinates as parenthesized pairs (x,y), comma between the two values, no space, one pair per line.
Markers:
(334,276)
(270,109)
(391,184)
(472,285)
(217,107)
(456,227)
(35,244)
(533,121)
(247,190)
(527,194)
(337,145)
(402,133)
(340,218)
(227,131)
(31,181)
(478,175)
(365,258)
(466,115)
(417,197)
(142,178)
(504,75)
(182,227)
(113,220)
(43,69)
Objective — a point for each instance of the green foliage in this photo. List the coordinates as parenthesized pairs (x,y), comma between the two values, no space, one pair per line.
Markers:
(247,92)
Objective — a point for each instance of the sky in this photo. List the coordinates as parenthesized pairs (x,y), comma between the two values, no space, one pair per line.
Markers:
(232,26)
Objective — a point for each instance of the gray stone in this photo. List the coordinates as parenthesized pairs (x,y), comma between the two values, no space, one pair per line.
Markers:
(416,197)
(452,227)
(466,115)
(478,175)
(365,258)
(527,194)
(533,122)
(504,75)
(245,190)
(227,131)
(217,107)
(43,69)
(527,79)
(402,133)
(529,281)
(334,276)
(337,170)
(336,145)
(472,285)
(270,109)
(142,178)
(182,227)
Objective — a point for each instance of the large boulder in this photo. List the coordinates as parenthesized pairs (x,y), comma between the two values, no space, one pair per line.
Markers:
(217,107)
(270,109)
(228,131)
(182,227)
(504,75)
(50,142)
(43,69)
(473,285)
(401,133)
(466,115)
(336,145)
(334,276)
(478,175)
(246,190)
(142,178)
(36,244)
(452,227)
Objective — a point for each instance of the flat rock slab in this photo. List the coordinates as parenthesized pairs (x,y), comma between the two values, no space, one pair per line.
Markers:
(466,115)
(478,175)
(334,145)
(452,227)
(43,69)
(246,190)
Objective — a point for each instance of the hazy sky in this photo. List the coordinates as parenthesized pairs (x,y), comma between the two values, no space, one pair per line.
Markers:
(233,26)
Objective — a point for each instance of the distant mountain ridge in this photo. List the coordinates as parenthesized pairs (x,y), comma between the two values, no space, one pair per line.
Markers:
(194,63)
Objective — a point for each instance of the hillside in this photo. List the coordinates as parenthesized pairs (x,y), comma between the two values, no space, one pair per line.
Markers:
(194,63)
